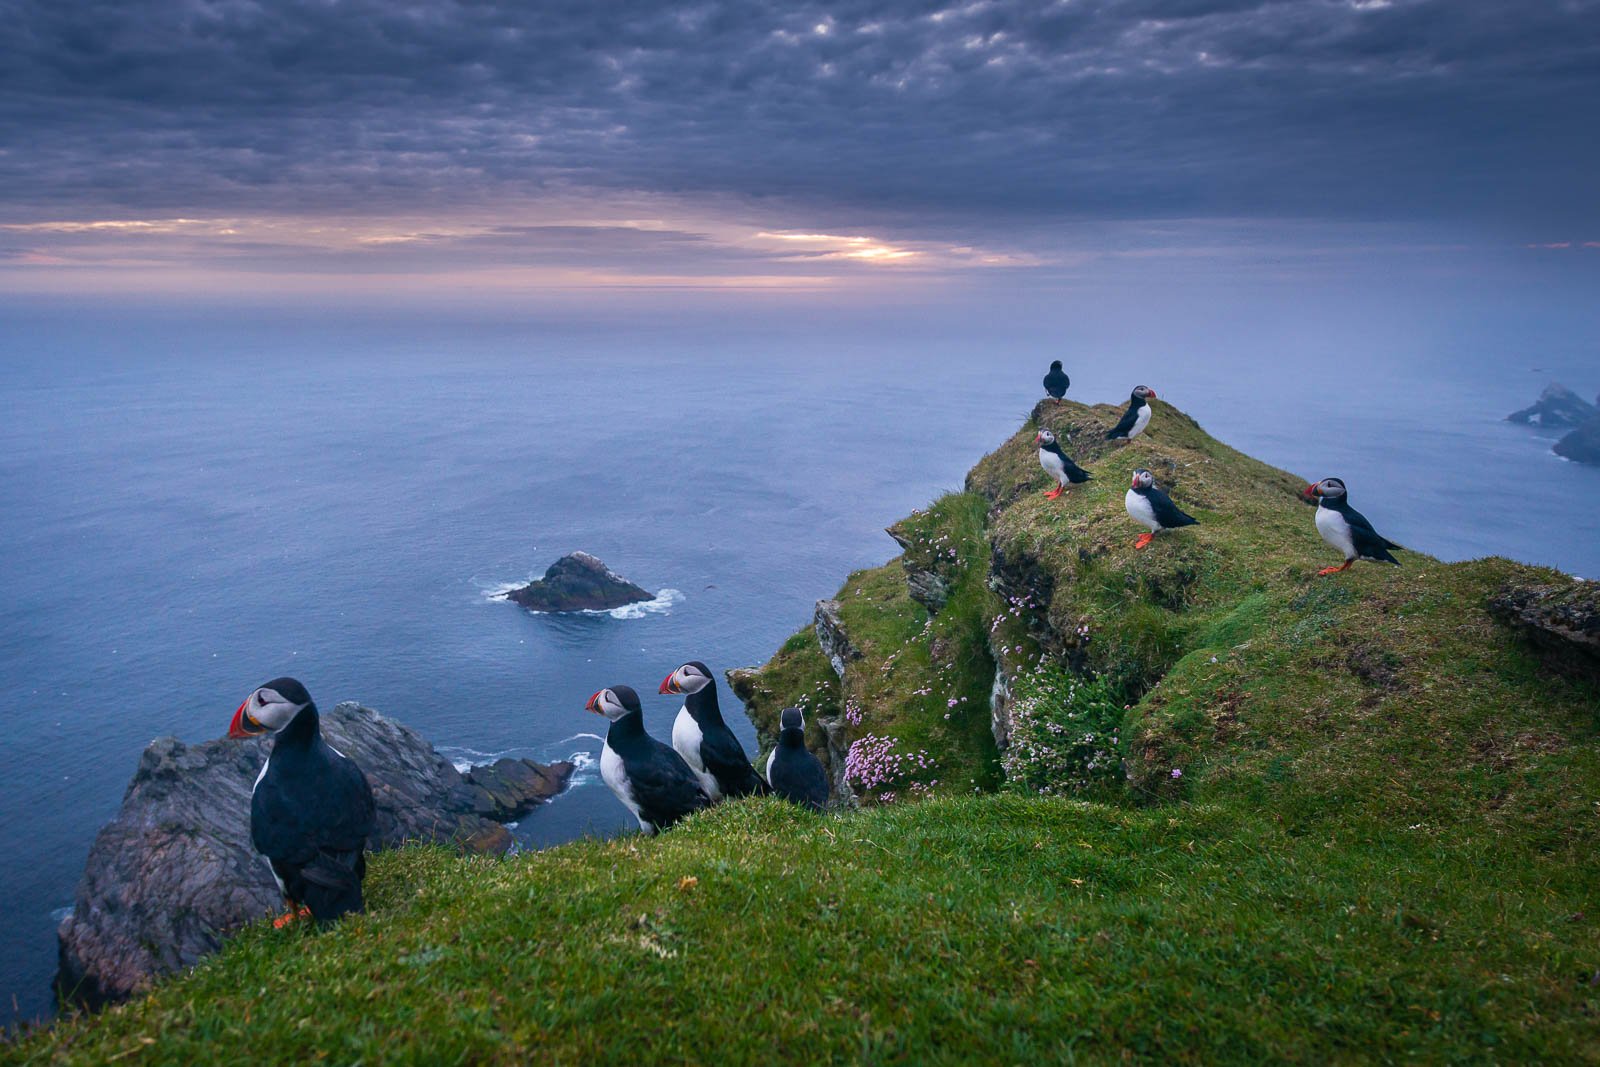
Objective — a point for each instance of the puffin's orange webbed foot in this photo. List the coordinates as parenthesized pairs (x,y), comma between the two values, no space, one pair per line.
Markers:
(1057,491)
(1334,570)
(290,916)
(1144,539)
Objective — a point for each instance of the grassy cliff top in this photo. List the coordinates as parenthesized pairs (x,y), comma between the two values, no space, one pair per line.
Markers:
(1191,802)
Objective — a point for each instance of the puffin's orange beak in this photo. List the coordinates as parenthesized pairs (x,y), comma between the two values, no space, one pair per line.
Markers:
(1037,438)
(594,702)
(668,685)
(1153,395)
(243,725)
(1311,491)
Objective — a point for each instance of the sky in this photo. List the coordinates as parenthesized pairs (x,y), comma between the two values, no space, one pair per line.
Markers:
(327,150)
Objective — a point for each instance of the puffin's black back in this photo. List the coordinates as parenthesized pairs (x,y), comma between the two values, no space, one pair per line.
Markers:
(1075,474)
(662,784)
(1056,381)
(311,816)
(1129,417)
(797,774)
(1369,543)
(720,750)
(1168,514)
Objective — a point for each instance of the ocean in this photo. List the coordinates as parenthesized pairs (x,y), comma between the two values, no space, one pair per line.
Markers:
(195,505)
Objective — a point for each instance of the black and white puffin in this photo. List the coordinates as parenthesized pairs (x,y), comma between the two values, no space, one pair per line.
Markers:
(650,779)
(311,810)
(1056,381)
(1149,506)
(792,771)
(1058,464)
(1345,528)
(1136,418)
(703,739)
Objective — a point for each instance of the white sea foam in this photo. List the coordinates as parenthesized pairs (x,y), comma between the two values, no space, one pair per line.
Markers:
(661,605)
(59,915)
(464,759)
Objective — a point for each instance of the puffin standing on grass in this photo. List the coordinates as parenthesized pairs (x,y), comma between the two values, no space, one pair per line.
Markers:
(1149,506)
(794,773)
(311,809)
(1345,528)
(1136,418)
(650,779)
(703,739)
(1058,464)
(1056,381)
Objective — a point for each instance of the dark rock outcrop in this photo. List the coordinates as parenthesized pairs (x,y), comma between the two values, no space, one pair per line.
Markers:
(579,582)
(1582,444)
(835,642)
(924,585)
(1562,620)
(1556,406)
(174,872)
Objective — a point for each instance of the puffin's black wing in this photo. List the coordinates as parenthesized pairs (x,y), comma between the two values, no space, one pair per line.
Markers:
(798,776)
(1075,474)
(1369,544)
(663,785)
(1167,513)
(311,817)
(724,757)
(1056,383)
(1125,424)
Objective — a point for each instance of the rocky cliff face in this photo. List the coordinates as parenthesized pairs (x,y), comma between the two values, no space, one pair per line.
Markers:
(1556,406)
(174,872)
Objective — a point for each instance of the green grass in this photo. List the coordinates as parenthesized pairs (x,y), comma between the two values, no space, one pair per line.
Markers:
(1380,846)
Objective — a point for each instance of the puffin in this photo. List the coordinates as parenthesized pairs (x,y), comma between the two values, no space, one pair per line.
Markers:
(1056,381)
(704,740)
(1149,506)
(1058,464)
(794,773)
(1136,418)
(311,809)
(1345,528)
(650,779)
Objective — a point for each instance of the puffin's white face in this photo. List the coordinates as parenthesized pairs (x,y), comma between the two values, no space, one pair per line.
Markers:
(689,678)
(1144,392)
(1143,479)
(269,709)
(1332,488)
(610,702)
(1045,437)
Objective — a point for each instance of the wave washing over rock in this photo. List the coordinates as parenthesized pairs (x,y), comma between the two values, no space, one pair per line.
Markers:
(174,872)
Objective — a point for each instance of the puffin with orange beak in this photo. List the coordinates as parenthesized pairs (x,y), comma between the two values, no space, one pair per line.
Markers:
(1058,464)
(703,739)
(1345,528)
(311,810)
(650,779)
(1150,507)
(1136,418)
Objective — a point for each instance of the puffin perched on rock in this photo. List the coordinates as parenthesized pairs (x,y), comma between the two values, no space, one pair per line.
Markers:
(1149,506)
(1345,528)
(703,739)
(1056,381)
(1058,464)
(650,779)
(311,809)
(1136,418)
(794,773)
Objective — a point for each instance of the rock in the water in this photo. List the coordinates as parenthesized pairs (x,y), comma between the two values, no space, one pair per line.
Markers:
(579,582)
(1582,444)
(175,872)
(1563,620)
(1557,406)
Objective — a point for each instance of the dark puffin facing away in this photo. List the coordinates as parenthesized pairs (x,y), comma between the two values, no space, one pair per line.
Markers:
(1149,506)
(1056,381)
(1345,528)
(650,779)
(311,809)
(703,739)
(1058,464)
(794,773)
(1136,418)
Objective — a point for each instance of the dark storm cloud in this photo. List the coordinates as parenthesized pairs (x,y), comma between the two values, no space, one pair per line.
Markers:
(1463,110)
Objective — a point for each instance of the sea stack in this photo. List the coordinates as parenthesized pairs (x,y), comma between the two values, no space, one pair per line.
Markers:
(579,582)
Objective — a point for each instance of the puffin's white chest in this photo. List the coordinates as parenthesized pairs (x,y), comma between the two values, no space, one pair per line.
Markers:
(615,775)
(1140,421)
(770,758)
(686,738)
(1336,531)
(1053,465)
(1141,511)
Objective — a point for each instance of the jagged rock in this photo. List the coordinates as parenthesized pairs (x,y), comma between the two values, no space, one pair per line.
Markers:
(1563,620)
(1582,444)
(926,587)
(1557,406)
(579,582)
(174,872)
(830,634)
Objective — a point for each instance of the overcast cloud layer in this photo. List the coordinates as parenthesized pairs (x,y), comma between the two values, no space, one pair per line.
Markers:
(1476,115)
